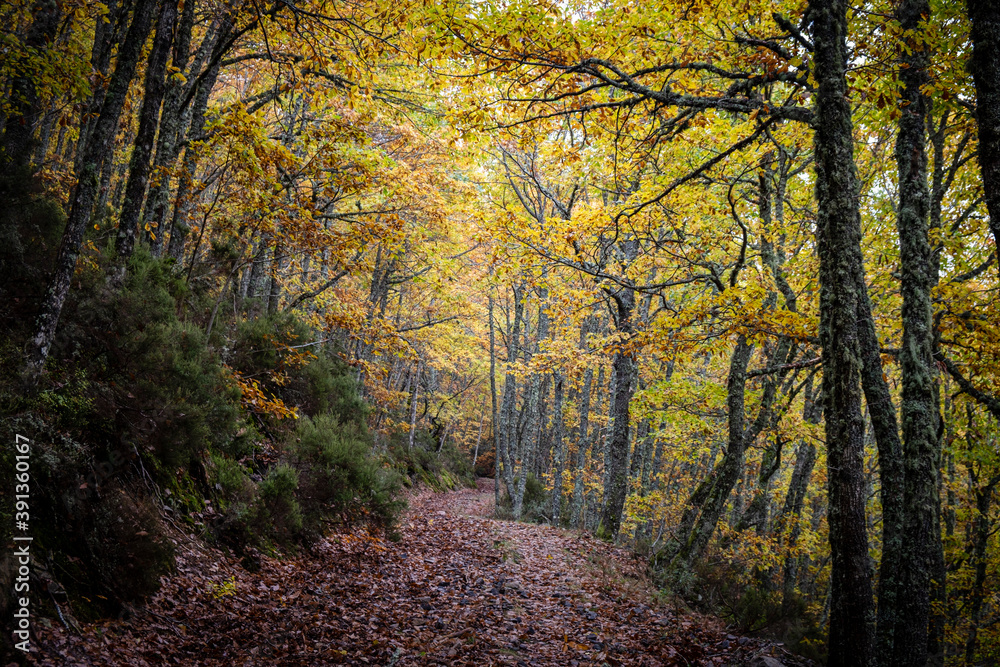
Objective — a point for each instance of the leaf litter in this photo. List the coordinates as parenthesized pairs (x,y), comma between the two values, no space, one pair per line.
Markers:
(459,588)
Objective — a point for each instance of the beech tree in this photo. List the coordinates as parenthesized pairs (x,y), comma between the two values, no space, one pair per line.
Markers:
(714,282)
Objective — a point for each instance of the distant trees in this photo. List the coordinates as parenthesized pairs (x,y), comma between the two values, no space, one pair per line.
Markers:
(747,84)
(671,281)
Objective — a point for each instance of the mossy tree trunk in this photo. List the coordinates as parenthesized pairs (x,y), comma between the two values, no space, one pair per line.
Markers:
(906,642)
(107,38)
(506,457)
(625,371)
(495,424)
(179,228)
(98,151)
(984,15)
(558,446)
(981,532)
(582,439)
(171,121)
(838,235)
(709,498)
(149,115)
(791,511)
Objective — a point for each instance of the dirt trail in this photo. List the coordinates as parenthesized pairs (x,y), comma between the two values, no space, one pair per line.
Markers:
(458,589)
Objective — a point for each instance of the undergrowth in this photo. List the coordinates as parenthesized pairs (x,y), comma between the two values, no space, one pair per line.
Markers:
(141,421)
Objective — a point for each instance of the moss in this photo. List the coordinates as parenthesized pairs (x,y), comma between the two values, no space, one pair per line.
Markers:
(442,470)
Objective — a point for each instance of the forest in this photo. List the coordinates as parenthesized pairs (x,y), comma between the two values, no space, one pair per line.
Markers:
(709,287)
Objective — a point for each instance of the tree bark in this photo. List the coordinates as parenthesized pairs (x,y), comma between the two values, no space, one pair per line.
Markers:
(851,640)
(220,41)
(625,371)
(26,110)
(558,453)
(582,443)
(981,534)
(106,39)
(413,406)
(984,15)
(711,495)
(531,438)
(178,227)
(509,400)
(791,511)
(493,396)
(155,210)
(906,643)
(98,150)
(149,114)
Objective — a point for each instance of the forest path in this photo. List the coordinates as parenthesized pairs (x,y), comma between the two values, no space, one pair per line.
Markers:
(459,588)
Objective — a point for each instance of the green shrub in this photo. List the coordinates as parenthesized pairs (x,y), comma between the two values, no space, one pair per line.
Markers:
(339,474)
(260,342)
(330,388)
(231,479)
(154,383)
(278,510)
(135,395)
(536,506)
(312,379)
(442,470)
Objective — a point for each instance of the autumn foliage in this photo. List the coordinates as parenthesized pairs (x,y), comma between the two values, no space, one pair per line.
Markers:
(713,282)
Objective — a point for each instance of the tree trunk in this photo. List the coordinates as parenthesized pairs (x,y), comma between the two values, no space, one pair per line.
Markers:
(509,400)
(179,228)
(528,444)
(805,460)
(838,232)
(757,513)
(98,151)
(625,371)
(44,139)
(149,115)
(106,39)
(274,292)
(882,412)
(26,109)
(558,453)
(493,397)
(907,644)
(167,150)
(711,496)
(984,15)
(582,443)
(638,457)
(195,133)
(531,438)
(413,406)
(981,536)
(479,440)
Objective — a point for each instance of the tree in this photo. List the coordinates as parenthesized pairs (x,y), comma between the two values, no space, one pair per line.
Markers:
(838,241)
(985,67)
(149,115)
(98,150)
(905,641)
